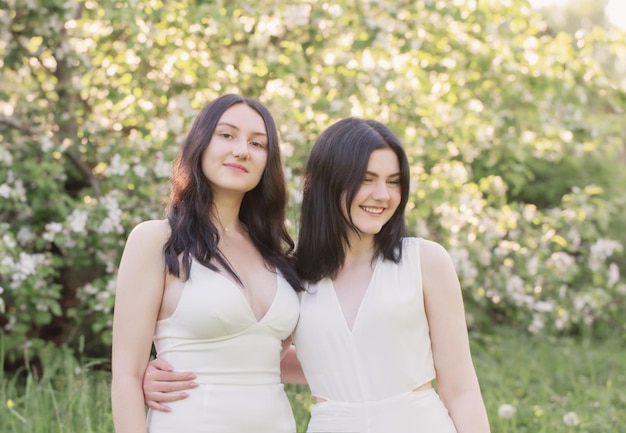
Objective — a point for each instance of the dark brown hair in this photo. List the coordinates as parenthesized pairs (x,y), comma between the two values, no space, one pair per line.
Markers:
(335,169)
(262,210)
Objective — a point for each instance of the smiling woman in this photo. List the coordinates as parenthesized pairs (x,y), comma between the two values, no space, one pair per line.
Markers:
(382,318)
(212,283)
(236,157)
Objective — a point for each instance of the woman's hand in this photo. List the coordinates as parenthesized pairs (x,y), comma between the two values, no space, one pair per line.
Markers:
(161,384)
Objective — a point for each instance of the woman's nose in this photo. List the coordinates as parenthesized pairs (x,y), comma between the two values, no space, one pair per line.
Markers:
(381,192)
(240,150)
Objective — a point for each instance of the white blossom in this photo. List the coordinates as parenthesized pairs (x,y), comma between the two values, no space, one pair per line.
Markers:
(571,419)
(506,411)
(28,263)
(162,168)
(175,122)
(574,237)
(89,290)
(562,260)
(536,326)
(279,87)
(51,230)
(544,306)
(337,105)
(24,235)
(485,134)
(5,190)
(116,166)
(19,192)
(25,266)
(9,241)
(111,222)
(270,26)
(600,250)
(613,276)
(297,15)
(140,170)
(46,143)
(532,265)
(582,301)
(5,156)
(515,284)
(560,323)
(77,220)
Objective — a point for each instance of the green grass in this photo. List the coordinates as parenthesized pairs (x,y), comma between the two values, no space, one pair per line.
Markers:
(67,398)
(542,379)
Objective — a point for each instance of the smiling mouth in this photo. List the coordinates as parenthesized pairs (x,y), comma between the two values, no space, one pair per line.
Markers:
(373,210)
(236,167)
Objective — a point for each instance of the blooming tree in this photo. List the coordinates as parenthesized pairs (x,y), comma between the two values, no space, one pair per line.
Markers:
(514,136)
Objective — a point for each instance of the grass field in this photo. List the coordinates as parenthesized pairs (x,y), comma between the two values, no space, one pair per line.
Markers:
(530,384)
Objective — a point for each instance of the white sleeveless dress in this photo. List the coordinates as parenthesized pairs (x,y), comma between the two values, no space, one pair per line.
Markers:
(368,374)
(214,334)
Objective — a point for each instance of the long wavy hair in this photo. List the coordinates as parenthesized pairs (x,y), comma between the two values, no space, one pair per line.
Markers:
(335,170)
(262,210)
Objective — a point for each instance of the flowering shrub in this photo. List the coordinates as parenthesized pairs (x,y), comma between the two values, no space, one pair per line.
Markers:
(499,119)
(551,271)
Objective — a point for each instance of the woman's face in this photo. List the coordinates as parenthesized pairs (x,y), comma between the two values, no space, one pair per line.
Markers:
(379,195)
(236,156)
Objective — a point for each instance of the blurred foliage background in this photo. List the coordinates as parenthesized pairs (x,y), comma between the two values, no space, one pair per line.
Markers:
(513,119)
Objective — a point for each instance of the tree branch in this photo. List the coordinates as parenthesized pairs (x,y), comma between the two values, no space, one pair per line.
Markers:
(16,124)
(69,153)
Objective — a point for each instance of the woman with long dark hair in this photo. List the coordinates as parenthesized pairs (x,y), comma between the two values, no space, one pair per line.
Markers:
(382,317)
(212,285)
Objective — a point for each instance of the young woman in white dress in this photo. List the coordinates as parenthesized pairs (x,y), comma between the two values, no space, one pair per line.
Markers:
(382,316)
(212,285)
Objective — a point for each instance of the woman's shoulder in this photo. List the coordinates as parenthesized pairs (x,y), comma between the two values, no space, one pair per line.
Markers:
(150,233)
(429,251)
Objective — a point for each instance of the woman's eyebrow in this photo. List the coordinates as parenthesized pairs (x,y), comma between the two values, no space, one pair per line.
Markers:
(237,128)
(371,173)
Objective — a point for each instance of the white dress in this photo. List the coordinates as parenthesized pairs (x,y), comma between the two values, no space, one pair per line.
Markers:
(213,333)
(367,375)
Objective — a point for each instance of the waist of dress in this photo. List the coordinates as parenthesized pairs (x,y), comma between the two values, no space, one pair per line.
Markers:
(236,378)
(416,393)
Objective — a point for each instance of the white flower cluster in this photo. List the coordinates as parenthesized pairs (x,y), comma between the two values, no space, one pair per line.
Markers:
(25,266)
(100,300)
(51,230)
(600,251)
(112,221)
(162,168)
(5,156)
(116,166)
(13,188)
(77,220)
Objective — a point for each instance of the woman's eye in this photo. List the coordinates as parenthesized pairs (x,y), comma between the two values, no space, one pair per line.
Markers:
(257,144)
(226,135)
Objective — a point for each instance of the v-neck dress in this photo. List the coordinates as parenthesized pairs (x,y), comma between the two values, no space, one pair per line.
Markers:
(368,374)
(214,333)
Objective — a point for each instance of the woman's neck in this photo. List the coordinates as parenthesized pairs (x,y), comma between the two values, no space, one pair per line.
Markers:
(225,216)
(360,250)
